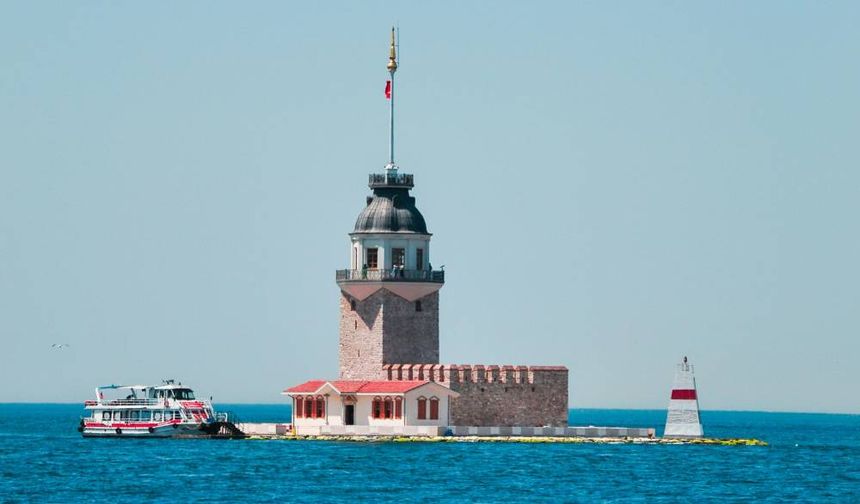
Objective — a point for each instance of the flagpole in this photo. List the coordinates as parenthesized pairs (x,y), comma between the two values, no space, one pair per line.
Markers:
(392,67)
(391,126)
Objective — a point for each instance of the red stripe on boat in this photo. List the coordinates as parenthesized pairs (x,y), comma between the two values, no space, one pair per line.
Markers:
(122,425)
(684,394)
(131,425)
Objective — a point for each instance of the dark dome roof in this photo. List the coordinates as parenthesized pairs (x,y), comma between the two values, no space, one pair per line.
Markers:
(390,211)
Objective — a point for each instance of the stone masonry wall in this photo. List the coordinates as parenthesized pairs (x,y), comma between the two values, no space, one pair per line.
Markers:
(490,396)
(385,328)
(360,353)
(410,335)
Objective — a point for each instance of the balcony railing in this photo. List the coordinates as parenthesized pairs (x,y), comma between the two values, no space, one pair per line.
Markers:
(390,275)
(124,402)
(390,180)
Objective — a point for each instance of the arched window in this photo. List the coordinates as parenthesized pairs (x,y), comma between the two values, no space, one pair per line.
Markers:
(299,407)
(398,407)
(320,407)
(422,408)
(434,408)
(377,407)
(389,408)
(309,407)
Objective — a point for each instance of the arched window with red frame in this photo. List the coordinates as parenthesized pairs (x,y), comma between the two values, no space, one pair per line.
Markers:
(376,410)
(434,408)
(398,407)
(300,404)
(309,407)
(388,408)
(320,407)
(422,408)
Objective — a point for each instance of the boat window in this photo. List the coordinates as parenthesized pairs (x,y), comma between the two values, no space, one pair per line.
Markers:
(156,416)
(116,415)
(134,415)
(184,394)
(144,416)
(105,415)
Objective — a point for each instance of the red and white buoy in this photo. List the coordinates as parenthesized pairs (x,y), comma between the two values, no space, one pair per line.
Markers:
(683,420)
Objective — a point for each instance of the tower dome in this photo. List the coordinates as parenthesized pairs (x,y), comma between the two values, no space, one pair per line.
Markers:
(390,210)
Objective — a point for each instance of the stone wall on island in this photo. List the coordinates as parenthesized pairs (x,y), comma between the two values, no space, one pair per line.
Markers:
(496,396)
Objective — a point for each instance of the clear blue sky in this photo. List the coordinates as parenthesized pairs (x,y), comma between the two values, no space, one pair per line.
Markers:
(610,186)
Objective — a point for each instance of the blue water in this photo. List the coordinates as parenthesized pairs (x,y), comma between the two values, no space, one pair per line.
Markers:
(811,457)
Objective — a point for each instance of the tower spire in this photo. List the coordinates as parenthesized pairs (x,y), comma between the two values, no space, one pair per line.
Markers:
(389,93)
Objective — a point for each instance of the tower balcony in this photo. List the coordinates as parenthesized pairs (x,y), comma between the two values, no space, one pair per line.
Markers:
(390,275)
(408,284)
(382,180)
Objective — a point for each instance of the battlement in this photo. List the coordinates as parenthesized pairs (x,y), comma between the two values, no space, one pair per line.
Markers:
(496,395)
(476,373)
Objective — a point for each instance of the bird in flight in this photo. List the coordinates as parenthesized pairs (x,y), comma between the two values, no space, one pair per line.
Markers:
(59,346)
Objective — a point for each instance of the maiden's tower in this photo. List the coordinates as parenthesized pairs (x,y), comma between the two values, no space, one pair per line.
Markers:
(390,374)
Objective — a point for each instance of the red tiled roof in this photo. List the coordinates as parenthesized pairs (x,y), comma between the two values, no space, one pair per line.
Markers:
(308,386)
(358,386)
(390,387)
(348,386)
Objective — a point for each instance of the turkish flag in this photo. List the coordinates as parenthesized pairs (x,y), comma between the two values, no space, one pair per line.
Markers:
(388,90)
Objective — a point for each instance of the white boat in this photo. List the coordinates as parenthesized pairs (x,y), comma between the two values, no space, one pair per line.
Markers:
(165,410)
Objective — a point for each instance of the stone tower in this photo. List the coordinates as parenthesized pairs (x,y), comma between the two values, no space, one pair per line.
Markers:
(389,304)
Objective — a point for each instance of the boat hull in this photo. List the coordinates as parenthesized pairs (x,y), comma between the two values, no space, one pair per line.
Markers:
(141,430)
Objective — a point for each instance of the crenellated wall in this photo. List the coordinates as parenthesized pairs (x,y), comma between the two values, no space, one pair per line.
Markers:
(522,396)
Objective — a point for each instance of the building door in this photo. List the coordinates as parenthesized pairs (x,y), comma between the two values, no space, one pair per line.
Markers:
(349,414)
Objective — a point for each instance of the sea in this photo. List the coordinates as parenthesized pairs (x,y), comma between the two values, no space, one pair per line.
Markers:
(810,458)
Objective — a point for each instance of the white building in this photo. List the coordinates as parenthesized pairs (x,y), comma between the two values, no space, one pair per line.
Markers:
(370,407)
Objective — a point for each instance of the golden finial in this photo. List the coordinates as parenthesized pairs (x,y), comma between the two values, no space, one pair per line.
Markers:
(392,54)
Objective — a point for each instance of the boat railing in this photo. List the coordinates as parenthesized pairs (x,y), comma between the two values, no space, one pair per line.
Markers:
(124,402)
